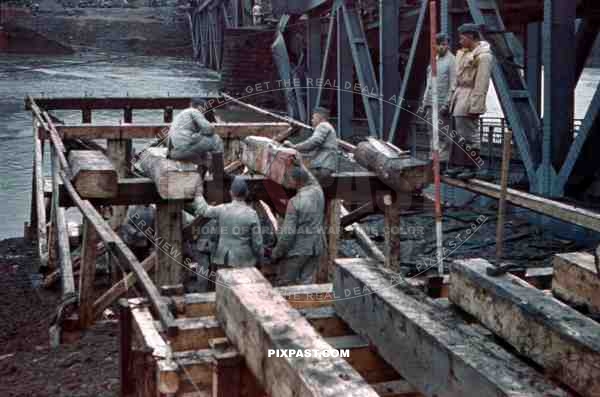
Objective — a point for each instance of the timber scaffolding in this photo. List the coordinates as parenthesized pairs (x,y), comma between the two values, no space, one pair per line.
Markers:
(406,337)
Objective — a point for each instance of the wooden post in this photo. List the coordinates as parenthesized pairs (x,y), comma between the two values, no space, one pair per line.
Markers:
(506,155)
(87,274)
(332,233)
(128,115)
(86,115)
(169,243)
(227,374)
(40,206)
(392,234)
(125,358)
(168,114)
(64,253)
(53,238)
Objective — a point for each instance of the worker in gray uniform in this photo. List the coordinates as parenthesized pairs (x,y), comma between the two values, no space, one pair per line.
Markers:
(301,239)
(320,150)
(474,62)
(446,80)
(240,238)
(192,136)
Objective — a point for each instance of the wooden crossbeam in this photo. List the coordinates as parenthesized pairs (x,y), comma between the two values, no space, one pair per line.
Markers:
(576,280)
(430,346)
(557,337)
(78,103)
(161,130)
(257,318)
(93,174)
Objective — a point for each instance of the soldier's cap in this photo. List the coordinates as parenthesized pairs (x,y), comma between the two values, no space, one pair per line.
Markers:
(300,174)
(238,188)
(321,110)
(469,28)
(441,38)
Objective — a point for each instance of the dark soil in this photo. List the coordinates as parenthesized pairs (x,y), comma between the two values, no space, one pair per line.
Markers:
(28,365)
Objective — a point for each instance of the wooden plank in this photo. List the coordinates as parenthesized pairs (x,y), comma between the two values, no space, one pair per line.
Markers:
(64,254)
(77,103)
(52,234)
(357,214)
(125,347)
(576,281)
(299,296)
(87,274)
(174,180)
(332,233)
(146,333)
(119,154)
(194,333)
(364,240)
(169,248)
(93,174)
(391,228)
(257,318)
(557,337)
(120,288)
(195,367)
(561,211)
(430,346)
(40,206)
(147,131)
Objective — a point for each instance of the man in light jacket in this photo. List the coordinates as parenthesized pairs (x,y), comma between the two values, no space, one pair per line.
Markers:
(446,80)
(320,150)
(240,238)
(474,67)
(301,239)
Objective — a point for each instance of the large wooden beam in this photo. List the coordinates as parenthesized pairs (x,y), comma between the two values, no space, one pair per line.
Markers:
(40,205)
(93,174)
(161,130)
(173,179)
(169,243)
(576,280)
(256,318)
(555,209)
(433,349)
(77,103)
(557,337)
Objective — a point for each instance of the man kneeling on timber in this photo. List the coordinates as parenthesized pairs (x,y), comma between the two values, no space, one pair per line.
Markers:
(321,148)
(300,241)
(240,238)
(191,135)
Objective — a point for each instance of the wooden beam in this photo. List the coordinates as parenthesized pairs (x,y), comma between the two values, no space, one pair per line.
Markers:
(555,336)
(576,281)
(161,130)
(173,179)
(121,287)
(64,254)
(125,349)
(40,206)
(332,234)
(93,174)
(433,349)
(364,240)
(106,103)
(87,274)
(194,333)
(119,154)
(169,243)
(392,234)
(357,214)
(256,318)
(554,209)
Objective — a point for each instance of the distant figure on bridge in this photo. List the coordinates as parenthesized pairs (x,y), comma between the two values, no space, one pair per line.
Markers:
(473,71)
(446,80)
(257,13)
(321,148)
(191,136)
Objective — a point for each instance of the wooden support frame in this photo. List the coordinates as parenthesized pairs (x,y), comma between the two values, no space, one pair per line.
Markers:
(248,322)
(576,281)
(557,337)
(432,348)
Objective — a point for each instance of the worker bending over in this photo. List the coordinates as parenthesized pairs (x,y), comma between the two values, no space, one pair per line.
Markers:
(446,80)
(240,238)
(192,136)
(301,240)
(320,150)
(474,67)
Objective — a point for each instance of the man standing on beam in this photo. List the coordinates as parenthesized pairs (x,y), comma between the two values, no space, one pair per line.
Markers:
(446,63)
(240,237)
(474,66)
(301,239)
(320,150)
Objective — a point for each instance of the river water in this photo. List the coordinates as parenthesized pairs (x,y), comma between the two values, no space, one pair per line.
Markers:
(102,75)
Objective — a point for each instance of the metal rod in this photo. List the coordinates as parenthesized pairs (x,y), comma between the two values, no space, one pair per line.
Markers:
(436,139)
(506,154)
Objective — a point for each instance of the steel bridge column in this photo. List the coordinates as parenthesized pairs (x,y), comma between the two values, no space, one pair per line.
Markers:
(559,90)
(345,100)
(533,64)
(389,77)
(313,50)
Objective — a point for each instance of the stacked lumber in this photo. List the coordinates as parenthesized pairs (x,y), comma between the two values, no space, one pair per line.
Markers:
(266,157)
